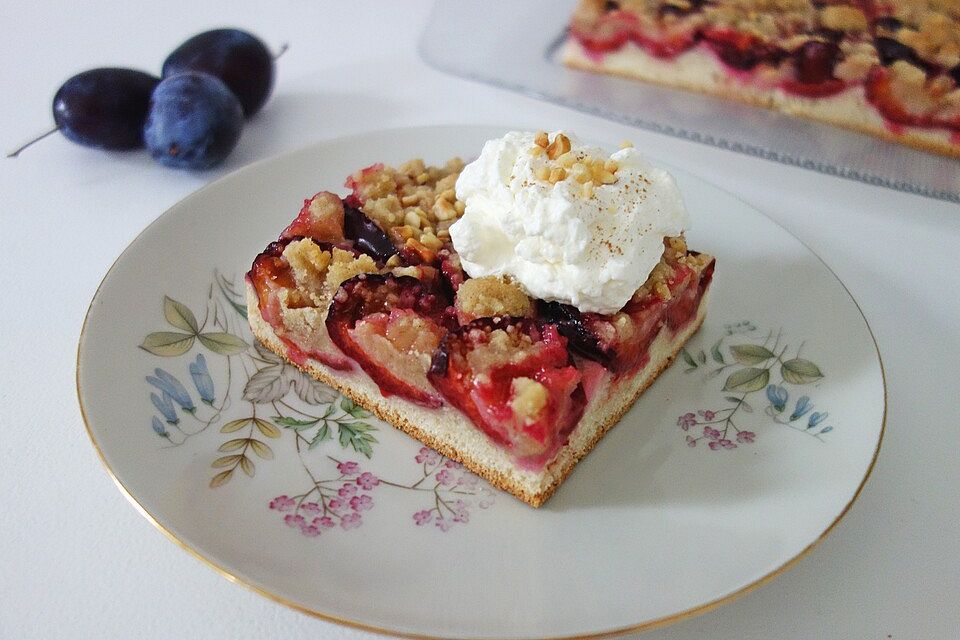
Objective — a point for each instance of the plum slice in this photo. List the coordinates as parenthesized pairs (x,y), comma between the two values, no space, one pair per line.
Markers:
(616,27)
(321,218)
(514,378)
(620,341)
(270,274)
(902,106)
(391,325)
(451,269)
(688,287)
(741,50)
(367,236)
(273,280)
(583,336)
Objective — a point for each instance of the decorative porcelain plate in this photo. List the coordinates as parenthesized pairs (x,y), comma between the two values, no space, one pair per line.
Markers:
(732,466)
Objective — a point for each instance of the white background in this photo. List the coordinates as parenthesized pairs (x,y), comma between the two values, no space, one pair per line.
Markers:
(76,561)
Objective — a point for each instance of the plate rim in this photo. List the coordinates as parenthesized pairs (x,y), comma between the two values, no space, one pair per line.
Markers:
(646,625)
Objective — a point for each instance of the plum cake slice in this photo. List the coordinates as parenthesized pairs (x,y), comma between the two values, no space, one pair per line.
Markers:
(369,295)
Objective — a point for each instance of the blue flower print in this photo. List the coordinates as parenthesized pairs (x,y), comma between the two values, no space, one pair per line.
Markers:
(172,387)
(803,406)
(165,407)
(816,418)
(159,428)
(201,379)
(777,396)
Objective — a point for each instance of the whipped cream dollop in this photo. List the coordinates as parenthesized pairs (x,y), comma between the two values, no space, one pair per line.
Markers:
(577,226)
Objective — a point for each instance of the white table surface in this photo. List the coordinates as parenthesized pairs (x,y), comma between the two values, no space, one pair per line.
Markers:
(76,561)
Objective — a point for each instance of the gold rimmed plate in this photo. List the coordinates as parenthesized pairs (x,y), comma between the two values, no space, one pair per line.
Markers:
(731,467)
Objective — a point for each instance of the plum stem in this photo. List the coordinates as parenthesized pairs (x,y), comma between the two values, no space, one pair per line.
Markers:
(16,152)
(283,50)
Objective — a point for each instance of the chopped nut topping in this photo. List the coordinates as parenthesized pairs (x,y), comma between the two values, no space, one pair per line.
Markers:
(430,241)
(394,261)
(344,266)
(491,297)
(936,36)
(566,160)
(542,139)
(412,219)
(559,146)
(422,201)
(843,18)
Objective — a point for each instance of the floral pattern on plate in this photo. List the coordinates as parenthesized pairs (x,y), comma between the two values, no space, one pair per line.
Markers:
(752,364)
(281,403)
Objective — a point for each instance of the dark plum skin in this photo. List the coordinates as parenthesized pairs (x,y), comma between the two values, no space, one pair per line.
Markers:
(367,236)
(815,61)
(104,108)
(194,121)
(891,50)
(581,340)
(887,22)
(240,59)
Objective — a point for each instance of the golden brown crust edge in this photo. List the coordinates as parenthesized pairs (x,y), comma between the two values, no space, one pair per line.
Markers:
(265,334)
(764,98)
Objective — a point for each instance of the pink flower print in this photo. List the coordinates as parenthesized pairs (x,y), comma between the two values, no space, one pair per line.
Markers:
(443,524)
(336,505)
(423,517)
(445,478)
(468,480)
(691,441)
(294,520)
(686,421)
(282,503)
(347,491)
(427,456)
(311,531)
(711,433)
(326,522)
(722,444)
(367,480)
(746,436)
(460,513)
(452,464)
(707,414)
(310,508)
(348,468)
(350,521)
(361,503)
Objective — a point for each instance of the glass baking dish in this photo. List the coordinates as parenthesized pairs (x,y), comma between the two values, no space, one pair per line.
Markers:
(515,45)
